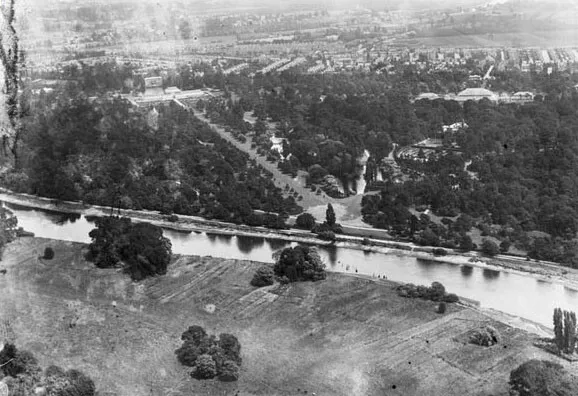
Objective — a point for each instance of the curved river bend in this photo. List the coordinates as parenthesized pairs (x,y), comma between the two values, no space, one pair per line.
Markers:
(514,294)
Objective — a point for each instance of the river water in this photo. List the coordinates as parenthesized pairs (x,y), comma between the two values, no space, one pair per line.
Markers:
(511,293)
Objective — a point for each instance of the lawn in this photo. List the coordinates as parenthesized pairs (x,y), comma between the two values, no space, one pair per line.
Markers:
(344,336)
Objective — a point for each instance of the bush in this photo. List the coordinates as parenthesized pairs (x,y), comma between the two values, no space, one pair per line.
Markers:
(437,292)
(451,298)
(48,253)
(205,367)
(326,235)
(439,252)
(264,276)
(305,221)
(486,336)
(442,308)
(366,242)
(173,218)
(542,378)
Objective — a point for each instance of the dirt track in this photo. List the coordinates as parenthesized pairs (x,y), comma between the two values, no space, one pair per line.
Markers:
(343,336)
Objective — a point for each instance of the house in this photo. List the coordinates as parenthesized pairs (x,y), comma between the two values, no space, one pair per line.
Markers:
(522,97)
(476,94)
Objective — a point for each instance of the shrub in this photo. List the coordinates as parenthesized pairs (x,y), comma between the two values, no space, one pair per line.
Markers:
(264,276)
(173,218)
(442,308)
(366,242)
(439,252)
(205,367)
(542,378)
(451,298)
(486,336)
(326,235)
(48,253)
(305,221)
(437,292)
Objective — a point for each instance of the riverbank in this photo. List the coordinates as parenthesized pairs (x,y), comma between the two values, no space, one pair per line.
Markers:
(347,335)
(539,270)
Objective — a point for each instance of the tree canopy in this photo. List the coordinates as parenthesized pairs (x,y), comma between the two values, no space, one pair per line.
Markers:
(140,248)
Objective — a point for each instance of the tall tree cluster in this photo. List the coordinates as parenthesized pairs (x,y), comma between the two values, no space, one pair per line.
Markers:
(565,330)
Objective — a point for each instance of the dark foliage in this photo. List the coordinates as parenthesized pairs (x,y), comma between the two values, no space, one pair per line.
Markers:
(486,336)
(48,253)
(210,356)
(436,292)
(305,221)
(299,263)
(264,276)
(14,361)
(140,248)
(104,152)
(442,308)
(542,378)
(490,248)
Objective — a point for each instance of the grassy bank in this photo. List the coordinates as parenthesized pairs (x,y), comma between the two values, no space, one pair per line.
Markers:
(347,335)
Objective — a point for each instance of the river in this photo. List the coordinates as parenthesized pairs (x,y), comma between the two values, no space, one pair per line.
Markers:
(514,294)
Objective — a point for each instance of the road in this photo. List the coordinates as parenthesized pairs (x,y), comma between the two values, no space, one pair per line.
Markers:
(310,199)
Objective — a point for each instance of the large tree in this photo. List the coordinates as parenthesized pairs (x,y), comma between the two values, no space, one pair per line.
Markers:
(542,378)
(299,263)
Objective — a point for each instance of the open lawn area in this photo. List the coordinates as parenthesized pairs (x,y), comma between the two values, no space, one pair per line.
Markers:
(343,336)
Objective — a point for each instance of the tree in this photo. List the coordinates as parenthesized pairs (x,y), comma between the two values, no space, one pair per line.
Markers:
(299,263)
(437,291)
(330,218)
(569,331)
(442,308)
(14,361)
(140,247)
(194,334)
(466,243)
(559,328)
(490,248)
(264,276)
(542,378)
(305,221)
(210,356)
(229,371)
(505,246)
(205,367)
(486,336)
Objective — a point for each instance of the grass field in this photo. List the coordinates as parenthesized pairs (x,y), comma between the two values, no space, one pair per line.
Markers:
(343,336)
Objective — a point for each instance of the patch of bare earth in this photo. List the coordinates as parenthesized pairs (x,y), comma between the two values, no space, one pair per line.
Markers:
(343,336)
